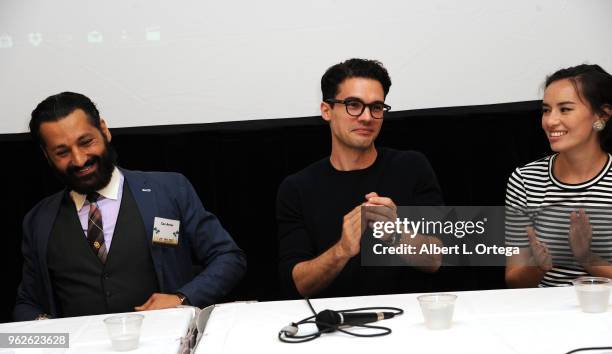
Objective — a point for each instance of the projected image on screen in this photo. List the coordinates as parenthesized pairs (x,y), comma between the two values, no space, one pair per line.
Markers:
(165,62)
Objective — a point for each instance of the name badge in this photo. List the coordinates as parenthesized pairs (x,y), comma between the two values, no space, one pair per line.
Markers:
(166,231)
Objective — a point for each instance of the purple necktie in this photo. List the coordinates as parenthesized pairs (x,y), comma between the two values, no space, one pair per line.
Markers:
(95,230)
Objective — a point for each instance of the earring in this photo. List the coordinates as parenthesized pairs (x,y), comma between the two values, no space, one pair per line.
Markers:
(599,125)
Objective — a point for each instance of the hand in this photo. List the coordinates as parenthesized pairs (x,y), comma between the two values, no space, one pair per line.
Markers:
(159,301)
(380,209)
(539,251)
(352,228)
(580,235)
(387,210)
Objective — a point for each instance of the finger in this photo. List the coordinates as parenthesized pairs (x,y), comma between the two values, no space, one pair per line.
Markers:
(531,235)
(538,252)
(371,195)
(157,304)
(351,216)
(534,242)
(589,229)
(354,229)
(370,216)
(354,215)
(357,221)
(355,210)
(584,218)
(573,217)
(382,201)
(543,259)
(353,219)
(380,213)
(572,231)
(145,305)
(353,225)
(374,206)
(546,264)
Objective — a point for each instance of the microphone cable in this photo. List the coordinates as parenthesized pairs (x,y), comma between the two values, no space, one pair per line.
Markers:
(588,349)
(289,334)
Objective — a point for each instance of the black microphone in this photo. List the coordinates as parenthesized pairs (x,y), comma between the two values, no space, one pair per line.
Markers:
(333,318)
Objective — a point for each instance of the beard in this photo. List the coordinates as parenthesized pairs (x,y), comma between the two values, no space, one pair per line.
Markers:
(94,181)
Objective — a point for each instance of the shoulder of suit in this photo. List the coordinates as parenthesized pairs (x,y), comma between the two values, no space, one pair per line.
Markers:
(44,205)
(153,176)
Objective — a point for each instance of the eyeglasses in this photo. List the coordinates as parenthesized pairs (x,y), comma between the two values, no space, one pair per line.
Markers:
(355,107)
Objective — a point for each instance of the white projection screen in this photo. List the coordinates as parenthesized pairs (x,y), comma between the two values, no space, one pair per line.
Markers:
(162,62)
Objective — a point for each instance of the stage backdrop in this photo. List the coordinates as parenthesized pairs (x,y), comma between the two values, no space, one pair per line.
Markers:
(236,170)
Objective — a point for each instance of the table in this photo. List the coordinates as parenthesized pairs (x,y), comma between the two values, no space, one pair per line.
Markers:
(546,320)
(161,332)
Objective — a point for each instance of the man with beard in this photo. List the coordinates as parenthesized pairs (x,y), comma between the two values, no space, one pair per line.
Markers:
(319,209)
(114,240)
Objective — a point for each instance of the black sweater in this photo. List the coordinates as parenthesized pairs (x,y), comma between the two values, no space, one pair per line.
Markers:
(311,205)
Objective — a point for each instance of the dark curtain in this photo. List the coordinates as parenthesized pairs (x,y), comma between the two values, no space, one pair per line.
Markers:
(237,167)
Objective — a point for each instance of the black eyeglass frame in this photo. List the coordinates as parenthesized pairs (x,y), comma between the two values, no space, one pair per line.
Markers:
(386,107)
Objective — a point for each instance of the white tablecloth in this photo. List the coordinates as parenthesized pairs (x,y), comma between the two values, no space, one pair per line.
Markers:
(530,321)
(161,332)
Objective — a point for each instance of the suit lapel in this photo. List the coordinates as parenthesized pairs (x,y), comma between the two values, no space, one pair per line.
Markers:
(42,230)
(145,196)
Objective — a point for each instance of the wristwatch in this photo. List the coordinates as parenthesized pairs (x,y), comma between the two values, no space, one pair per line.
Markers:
(183,299)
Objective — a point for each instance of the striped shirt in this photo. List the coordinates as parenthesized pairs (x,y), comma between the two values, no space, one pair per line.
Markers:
(534,197)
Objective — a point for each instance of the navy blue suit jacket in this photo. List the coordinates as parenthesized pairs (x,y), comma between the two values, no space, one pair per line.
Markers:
(157,194)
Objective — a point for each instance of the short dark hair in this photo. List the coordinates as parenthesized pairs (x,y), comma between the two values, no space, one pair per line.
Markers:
(57,107)
(594,85)
(364,68)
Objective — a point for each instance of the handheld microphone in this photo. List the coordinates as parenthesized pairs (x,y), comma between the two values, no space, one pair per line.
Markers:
(329,319)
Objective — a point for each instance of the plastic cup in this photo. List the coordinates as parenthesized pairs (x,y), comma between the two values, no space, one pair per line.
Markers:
(593,293)
(437,310)
(124,331)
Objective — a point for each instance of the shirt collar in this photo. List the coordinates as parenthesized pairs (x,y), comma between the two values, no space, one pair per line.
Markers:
(110,191)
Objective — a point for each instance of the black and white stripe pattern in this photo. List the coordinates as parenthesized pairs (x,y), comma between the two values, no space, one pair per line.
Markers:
(535,198)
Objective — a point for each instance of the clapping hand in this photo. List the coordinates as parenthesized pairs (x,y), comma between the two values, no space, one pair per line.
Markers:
(580,235)
(539,251)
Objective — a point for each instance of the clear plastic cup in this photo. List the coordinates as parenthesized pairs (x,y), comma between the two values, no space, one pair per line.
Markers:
(437,310)
(593,293)
(124,331)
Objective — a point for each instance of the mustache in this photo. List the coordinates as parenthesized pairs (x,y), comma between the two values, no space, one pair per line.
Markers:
(72,169)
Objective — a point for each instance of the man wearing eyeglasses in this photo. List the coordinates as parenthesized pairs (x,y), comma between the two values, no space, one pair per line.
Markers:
(319,209)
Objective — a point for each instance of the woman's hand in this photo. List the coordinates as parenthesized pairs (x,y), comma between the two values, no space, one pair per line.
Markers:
(580,235)
(539,251)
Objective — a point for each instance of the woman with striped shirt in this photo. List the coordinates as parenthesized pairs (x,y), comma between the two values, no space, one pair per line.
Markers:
(559,208)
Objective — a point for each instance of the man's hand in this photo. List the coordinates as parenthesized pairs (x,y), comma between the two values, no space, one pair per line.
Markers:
(159,301)
(352,228)
(539,251)
(380,209)
(386,209)
(377,209)
(580,235)
(312,276)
